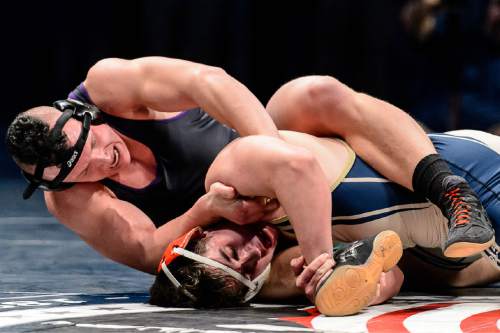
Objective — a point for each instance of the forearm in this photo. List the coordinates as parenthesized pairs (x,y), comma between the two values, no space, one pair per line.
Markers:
(133,240)
(305,195)
(281,282)
(230,102)
(199,215)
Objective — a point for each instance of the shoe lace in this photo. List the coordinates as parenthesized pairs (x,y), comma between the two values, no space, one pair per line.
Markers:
(460,208)
(348,252)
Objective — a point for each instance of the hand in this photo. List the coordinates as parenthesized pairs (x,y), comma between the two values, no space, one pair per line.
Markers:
(225,202)
(389,285)
(309,276)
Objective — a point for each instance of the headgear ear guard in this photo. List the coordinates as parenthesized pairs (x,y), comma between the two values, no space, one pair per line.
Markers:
(86,113)
(178,248)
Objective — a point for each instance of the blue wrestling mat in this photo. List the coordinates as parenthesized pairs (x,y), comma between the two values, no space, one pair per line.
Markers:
(52,282)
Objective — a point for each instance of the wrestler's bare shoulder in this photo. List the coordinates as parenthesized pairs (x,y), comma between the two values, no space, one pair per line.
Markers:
(77,196)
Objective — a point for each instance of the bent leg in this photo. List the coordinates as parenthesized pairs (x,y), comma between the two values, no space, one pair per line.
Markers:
(380,133)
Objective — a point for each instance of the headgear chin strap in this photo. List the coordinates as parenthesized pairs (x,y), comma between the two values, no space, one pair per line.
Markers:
(70,108)
(178,248)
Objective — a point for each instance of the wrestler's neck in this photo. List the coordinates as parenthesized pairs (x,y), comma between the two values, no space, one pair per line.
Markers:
(141,170)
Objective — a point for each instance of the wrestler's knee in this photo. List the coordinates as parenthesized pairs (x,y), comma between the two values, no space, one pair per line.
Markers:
(312,103)
(332,105)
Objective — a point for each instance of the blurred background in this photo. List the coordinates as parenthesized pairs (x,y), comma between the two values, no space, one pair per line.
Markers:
(436,59)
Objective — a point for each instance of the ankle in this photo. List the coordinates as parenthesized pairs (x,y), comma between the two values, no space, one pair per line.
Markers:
(428,177)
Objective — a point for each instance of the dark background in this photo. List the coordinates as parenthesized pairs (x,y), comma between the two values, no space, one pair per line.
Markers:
(48,46)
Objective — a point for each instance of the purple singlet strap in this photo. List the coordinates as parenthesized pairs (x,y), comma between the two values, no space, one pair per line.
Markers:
(81,94)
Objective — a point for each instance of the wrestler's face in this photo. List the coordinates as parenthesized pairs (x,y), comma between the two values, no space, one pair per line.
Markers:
(103,156)
(246,249)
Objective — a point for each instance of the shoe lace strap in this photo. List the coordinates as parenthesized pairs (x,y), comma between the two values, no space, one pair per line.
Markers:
(461,208)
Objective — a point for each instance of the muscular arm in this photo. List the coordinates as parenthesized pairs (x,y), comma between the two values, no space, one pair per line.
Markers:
(281,284)
(138,88)
(270,167)
(118,229)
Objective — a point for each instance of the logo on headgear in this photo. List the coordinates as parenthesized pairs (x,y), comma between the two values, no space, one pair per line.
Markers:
(72,159)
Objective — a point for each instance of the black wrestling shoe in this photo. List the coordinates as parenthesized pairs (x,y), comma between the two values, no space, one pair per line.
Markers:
(353,282)
(469,229)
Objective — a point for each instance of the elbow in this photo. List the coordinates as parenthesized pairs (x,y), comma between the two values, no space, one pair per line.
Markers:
(151,247)
(136,250)
(101,70)
(206,76)
(149,258)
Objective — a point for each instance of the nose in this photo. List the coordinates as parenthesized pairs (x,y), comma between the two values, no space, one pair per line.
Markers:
(102,157)
(248,260)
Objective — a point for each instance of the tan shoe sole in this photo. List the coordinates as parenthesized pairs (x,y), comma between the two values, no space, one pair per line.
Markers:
(350,288)
(465,249)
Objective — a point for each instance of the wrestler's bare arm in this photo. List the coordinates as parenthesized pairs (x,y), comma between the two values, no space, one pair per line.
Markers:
(281,284)
(140,87)
(121,231)
(270,167)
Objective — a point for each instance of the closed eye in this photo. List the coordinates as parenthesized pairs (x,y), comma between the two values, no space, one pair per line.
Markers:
(224,256)
(234,253)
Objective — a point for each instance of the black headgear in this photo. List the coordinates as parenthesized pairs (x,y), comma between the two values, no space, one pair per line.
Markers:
(88,114)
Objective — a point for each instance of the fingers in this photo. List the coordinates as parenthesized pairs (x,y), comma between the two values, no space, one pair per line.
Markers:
(226,192)
(309,278)
(312,286)
(297,265)
(248,211)
(252,210)
(227,203)
(312,269)
(378,298)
